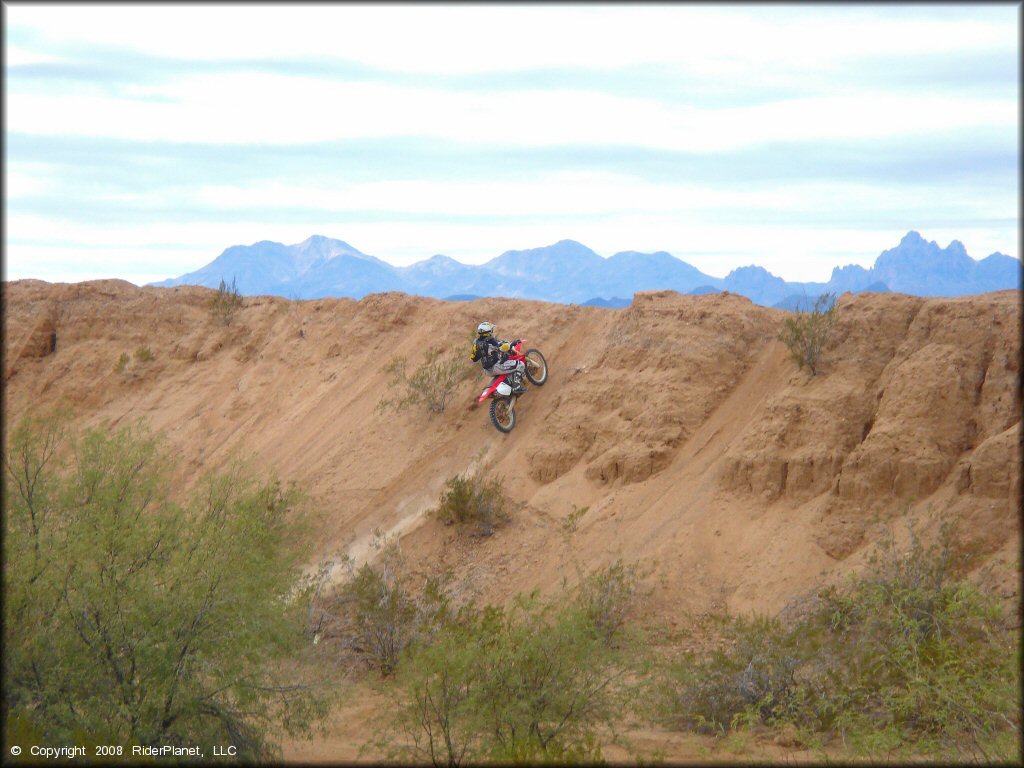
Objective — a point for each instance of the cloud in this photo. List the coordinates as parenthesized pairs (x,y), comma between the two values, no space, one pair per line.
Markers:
(985,157)
(724,132)
(240,108)
(489,38)
(75,261)
(993,72)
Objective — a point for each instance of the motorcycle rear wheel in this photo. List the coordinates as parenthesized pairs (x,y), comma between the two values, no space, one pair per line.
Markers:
(503,414)
(536,367)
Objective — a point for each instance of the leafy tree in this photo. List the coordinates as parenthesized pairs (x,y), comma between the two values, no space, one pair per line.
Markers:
(134,619)
(435,719)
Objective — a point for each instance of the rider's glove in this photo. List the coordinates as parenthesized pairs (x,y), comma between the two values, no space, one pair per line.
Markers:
(505,346)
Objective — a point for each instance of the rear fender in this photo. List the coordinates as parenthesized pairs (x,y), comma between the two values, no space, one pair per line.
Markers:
(494,386)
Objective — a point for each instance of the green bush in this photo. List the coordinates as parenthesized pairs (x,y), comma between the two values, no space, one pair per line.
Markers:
(470,500)
(531,683)
(144,355)
(431,386)
(122,362)
(131,619)
(906,657)
(805,333)
(606,596)
(752,673)
(571,521)
(920,654)
(378,613)
(226,301)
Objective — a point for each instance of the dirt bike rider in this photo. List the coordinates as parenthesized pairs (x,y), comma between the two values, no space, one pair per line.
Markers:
(493,355)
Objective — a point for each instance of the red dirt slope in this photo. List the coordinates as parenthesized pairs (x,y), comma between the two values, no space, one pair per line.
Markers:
(680,423)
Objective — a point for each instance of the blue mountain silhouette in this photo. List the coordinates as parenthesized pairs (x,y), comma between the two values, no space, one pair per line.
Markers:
(570,272)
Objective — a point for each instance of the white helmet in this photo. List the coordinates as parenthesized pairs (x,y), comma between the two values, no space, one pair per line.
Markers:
(485,329)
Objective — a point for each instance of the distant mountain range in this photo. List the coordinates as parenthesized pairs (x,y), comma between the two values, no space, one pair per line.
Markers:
(569,272)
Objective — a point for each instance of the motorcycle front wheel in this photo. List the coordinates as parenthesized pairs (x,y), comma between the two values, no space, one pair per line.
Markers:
(503,415)
(536,367)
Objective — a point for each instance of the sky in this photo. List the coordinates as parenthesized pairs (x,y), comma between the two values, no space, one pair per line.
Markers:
(141,140)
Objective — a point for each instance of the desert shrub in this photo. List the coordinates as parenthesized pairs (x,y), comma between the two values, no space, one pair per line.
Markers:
(472,500)
(805,333)
(431,386)
(752,672)
(919,654)
(143,355)
(131,619)
(571,521)
(226,301)
(606,596)
(906,657)
(379,613)
(434,719)
(530,683)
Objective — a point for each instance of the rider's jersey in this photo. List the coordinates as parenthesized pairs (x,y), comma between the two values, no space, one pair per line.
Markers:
(487,351)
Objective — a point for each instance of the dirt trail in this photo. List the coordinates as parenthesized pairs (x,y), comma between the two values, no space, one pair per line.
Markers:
(770,372)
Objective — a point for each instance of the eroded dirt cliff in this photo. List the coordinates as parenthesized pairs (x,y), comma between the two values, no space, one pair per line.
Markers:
(681,424)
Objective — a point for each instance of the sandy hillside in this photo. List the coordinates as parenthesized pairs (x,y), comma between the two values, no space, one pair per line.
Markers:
(681,424)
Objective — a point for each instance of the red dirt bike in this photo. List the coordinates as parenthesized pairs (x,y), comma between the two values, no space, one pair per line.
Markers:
(503,405)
